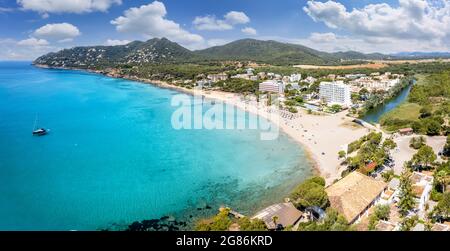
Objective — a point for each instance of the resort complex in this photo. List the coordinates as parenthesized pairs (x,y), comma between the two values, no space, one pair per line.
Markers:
(221,119)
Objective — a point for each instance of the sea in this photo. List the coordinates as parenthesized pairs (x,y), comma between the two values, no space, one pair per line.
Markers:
(113,157)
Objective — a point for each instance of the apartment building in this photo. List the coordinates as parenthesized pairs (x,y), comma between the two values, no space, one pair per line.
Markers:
(336,93)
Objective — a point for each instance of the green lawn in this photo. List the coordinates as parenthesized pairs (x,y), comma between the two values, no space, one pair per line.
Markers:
(420,79)
(402,116)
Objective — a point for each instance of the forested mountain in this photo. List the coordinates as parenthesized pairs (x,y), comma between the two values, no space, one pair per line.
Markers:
(161,51)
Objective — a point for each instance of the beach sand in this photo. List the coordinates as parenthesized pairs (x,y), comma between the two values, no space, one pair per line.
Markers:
(322,136)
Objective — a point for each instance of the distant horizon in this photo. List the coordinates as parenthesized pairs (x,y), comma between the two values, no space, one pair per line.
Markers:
(143,41)
(31,28)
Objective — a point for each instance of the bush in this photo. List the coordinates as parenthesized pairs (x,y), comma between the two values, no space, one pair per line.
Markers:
(292,109)
(417,142)
(311,193)
(220,222)
(252,225)
(388,176)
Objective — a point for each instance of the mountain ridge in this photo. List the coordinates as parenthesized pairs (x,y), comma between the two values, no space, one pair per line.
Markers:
(163,51)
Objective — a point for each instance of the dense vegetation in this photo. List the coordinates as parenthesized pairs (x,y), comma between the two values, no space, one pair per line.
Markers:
(222,222)
(370,149)
(164,51)
(333,221)
(381,212)
(381,97)
(431,97)
(237,85)
(310,193)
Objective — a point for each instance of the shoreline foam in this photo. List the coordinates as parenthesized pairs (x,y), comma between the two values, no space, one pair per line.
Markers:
(321,136)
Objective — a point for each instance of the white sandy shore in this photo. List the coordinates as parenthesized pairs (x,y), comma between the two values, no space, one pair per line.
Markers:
(322,136)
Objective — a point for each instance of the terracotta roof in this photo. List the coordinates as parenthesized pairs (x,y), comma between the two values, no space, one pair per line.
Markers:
(286,213)
(418,190)
(385,226)
(405,130)
(353,194)
(440,227)
(370,167)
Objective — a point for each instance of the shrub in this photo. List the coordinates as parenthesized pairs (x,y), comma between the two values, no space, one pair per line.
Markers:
(311,193)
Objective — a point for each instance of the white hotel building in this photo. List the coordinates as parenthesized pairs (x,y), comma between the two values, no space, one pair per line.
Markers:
(272,86)
(336,93)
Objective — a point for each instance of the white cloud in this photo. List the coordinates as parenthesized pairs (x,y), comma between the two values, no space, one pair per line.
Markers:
(216,42)
(27,49)
(62,32)
(322,37)
(112,42)
(331,42)
(211,23)
(67,6)
(149,21)
(417,20)
(237,17)
(33,42)
(249,31)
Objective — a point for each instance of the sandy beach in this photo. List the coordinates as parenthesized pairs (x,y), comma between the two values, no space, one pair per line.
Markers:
(322,136)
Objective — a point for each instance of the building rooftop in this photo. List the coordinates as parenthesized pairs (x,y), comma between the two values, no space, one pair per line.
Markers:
(385,226)
(286,213)
(406,130)
(353,194)
(419,227)
(440,227)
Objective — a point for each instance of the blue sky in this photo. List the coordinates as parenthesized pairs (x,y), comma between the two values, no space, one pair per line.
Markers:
(29,28)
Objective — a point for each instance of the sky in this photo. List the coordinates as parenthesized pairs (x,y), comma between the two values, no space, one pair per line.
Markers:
(30,28)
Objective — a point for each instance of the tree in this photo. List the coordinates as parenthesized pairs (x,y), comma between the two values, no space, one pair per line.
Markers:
(388,176)
(333,221)
(275,220)
(441,179)
(417,142)
(311,193)
(335,108)
(246,224)
(424,157)
(389,144)
(220,222)
(407,201)
(342,154)
(433,127)
(426,111)
(408,223)
(382,212)
(442,209)
(446,150)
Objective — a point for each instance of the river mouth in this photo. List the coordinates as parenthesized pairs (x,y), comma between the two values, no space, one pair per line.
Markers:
(112,156)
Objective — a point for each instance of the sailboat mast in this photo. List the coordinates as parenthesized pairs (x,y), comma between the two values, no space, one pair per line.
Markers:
(35,122)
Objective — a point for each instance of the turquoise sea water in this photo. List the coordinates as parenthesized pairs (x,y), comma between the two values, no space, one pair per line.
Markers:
(112,156)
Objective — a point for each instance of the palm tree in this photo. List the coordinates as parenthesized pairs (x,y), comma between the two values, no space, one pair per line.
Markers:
(441,179)
(275,220)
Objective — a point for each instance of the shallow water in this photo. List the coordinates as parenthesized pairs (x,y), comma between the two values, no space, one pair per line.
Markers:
(112,155)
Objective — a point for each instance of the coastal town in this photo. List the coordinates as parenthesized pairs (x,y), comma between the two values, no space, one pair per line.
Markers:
(397,190)
(225,123)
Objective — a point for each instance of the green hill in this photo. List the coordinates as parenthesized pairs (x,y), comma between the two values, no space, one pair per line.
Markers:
(163,51)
